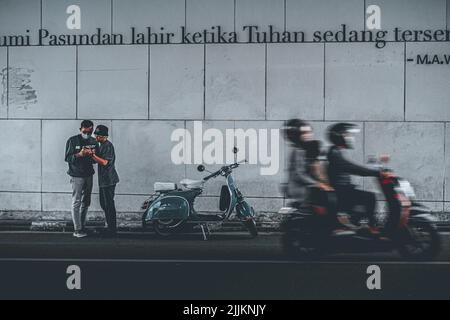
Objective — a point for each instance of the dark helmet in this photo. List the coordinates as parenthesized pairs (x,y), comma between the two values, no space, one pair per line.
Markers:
(337,131)
(291,130)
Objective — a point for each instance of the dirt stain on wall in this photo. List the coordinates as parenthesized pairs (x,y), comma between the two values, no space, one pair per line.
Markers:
(21,95)
(4,87)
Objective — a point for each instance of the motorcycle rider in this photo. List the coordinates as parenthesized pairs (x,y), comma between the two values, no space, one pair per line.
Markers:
(307,183)
(340,170)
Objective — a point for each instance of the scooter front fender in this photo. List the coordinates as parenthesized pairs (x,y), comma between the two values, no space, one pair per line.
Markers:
(244,210)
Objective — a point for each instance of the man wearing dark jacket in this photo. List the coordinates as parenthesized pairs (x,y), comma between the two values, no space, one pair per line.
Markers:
(340,171)
(79,150)
(107,176)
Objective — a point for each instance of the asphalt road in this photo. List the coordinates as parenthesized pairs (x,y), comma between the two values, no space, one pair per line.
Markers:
(220,246)
(228,266)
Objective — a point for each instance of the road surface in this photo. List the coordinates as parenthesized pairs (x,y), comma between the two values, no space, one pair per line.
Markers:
(228,266)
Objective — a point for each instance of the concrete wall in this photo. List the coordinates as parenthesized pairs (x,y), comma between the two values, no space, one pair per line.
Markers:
(145,92)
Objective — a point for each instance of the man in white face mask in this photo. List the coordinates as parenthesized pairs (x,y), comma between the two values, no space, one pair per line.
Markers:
(79,150)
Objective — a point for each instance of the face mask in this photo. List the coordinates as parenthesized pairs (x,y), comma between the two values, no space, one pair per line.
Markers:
(85,136)
(349,141)
(307,134)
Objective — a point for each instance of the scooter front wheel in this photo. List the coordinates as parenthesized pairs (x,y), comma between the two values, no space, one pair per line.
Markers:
(250,224)
(166,228)
(419,241)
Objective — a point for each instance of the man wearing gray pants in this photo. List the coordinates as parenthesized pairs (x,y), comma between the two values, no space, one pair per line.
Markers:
(79,150)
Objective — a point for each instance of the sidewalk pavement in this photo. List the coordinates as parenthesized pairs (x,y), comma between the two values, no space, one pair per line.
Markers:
(132,222)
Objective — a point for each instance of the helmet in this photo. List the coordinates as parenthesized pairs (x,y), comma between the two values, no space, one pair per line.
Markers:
(291,130)
(338,134)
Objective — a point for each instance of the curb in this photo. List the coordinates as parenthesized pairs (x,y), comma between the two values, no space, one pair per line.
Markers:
(124,226)
(136,226)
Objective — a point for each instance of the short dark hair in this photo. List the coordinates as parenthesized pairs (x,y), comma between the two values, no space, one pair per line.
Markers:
(87,124)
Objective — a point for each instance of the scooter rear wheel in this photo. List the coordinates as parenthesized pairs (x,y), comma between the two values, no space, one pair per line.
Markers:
(299,249)
(166,228)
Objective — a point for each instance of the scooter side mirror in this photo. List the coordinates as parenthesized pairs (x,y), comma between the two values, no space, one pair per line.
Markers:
(201,168)
(371,159)
(235,150)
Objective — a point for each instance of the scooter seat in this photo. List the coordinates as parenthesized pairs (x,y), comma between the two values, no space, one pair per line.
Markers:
(191,184)
(164,186)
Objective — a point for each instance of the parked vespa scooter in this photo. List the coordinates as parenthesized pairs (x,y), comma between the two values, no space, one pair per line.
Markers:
(171,209)
(409,228)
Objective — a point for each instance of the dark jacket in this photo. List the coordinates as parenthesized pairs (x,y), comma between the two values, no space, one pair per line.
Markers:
(80,167)
(107,175)
(300,179)
(340,169)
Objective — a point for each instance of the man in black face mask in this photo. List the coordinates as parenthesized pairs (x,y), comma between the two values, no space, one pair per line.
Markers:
(341,169)
(79,150)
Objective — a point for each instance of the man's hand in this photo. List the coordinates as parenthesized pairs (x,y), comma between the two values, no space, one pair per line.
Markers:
(88,152)
(387,175)
(80,154)
(84,152)
(325,187)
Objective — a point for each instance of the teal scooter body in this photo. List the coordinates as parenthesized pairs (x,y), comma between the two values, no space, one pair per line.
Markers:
(171,209)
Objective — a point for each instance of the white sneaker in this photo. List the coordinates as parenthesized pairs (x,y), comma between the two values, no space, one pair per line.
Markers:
(79,234)
(343,232)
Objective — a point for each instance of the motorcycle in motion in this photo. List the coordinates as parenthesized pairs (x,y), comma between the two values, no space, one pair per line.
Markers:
(171,209)
(409,227)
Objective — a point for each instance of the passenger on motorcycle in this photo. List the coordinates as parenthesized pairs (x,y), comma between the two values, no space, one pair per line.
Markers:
(307,182)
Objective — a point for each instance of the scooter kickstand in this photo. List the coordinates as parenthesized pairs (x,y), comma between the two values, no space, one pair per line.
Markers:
(203,231)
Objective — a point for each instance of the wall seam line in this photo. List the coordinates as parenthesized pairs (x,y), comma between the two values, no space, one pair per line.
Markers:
(447,17)
(265,82)
(7,82)
(324,81)
(148,81)
(404,82)
(42,170)
(364,151)
(364,15)
(76,81)
(444,187)
(204,82)
(234,16)
(185,14)
(112,15)
(41,14)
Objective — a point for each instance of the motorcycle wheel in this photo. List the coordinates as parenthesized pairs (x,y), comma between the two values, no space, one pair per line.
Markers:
(250,224)
(420,241)
(297,249)
(166,228)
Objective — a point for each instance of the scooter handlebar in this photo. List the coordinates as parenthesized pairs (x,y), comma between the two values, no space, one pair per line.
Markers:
(212,175)
(223,169)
